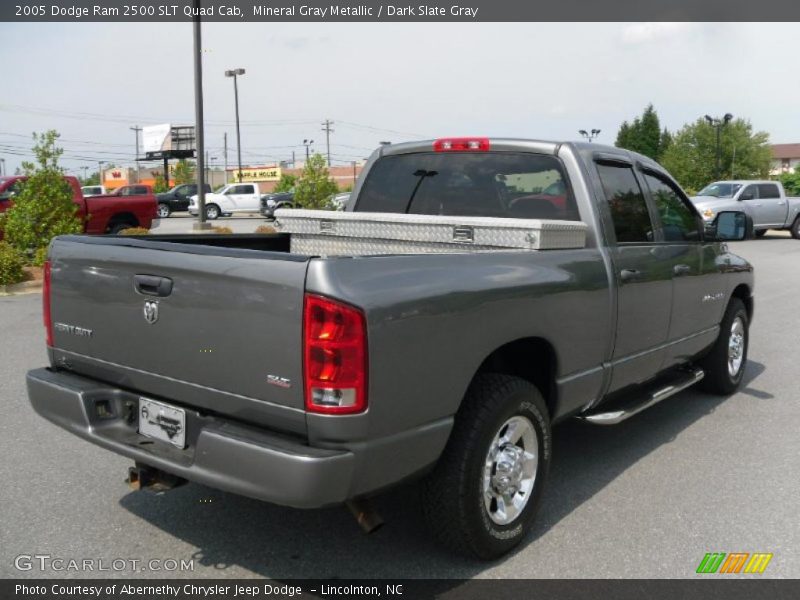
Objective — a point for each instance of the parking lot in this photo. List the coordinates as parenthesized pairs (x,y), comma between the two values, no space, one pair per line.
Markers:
(643,499)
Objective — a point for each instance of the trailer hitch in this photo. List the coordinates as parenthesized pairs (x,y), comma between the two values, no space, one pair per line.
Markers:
(142,477)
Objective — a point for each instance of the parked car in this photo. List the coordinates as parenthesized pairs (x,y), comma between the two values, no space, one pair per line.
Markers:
(177,199)
(336,375)
(271,202)
(765,201)
(339,201)
(100,214)
(232,198)
(93,190)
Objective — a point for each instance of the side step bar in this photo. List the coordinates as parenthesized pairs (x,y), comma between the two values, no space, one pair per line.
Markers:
(619,414)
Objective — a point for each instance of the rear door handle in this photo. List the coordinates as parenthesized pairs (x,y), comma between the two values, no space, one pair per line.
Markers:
(680,270)
(630,274)
(153,285)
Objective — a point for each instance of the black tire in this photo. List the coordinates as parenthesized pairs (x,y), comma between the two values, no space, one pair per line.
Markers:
(795,229)
(718,376)
(115,228)
(212,212)
(163,210)
(453,494)
(761,232)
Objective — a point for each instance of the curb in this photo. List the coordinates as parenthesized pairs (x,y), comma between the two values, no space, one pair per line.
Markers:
(26,287)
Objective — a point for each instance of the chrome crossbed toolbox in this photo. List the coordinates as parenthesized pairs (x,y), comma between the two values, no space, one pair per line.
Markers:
(322,232)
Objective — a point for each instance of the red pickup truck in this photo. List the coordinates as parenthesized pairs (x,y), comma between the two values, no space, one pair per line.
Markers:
(100,214)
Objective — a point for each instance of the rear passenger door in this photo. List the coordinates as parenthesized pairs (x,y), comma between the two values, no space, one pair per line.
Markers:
(771,208)
(643,274)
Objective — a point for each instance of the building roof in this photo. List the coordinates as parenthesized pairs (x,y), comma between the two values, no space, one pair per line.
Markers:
(785,150)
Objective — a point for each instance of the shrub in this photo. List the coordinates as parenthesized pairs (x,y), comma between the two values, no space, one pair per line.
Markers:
(315,186)
(221,229)
(43,208)
(11,264)
(134,231)
(40,256)
(266,229)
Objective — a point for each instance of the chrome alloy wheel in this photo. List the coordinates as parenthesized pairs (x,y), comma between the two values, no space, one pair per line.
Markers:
(510,470)
(736,347)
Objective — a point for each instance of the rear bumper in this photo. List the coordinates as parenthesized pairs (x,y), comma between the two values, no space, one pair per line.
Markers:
(219,453)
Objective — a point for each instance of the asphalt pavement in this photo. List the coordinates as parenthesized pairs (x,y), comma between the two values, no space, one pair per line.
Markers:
(644,499)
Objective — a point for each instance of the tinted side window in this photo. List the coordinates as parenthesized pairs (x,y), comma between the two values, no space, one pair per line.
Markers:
(768,190)
(678,223)
(628,207)
(247,189)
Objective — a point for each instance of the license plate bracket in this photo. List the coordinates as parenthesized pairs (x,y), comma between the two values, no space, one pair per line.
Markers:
(162,422)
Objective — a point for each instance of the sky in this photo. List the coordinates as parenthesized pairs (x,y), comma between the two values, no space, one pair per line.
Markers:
(384,82)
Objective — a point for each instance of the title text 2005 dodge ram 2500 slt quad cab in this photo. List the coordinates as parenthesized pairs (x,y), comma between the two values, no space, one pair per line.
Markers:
(332,377)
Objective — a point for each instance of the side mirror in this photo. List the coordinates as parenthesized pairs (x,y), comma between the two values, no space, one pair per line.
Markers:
(731,226)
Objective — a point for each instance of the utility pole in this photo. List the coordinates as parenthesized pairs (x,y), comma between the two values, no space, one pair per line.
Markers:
(328,131)
(136,129)
(3,166)
(225,154)
(354,174)
(293,159)
(198,119)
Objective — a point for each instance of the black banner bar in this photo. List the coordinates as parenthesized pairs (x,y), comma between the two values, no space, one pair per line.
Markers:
(708,588)
(411,11)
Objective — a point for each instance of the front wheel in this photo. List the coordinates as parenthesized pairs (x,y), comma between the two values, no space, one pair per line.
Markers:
(212,212)
(484,492)
(724,365)
(163,211)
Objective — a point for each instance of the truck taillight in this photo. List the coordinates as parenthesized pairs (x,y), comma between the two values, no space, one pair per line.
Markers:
(461,145)
(335,357)
(48,323)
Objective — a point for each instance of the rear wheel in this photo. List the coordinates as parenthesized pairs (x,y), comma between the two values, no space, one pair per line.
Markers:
(115,228)
(163,210)
(484,492)
(212,212)
(795,229)
(724,366)
(761,232)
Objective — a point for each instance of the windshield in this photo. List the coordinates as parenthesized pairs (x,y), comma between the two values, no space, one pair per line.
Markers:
(720,190)
(490,184)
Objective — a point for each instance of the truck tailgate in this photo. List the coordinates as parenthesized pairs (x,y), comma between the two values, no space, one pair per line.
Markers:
(226,337)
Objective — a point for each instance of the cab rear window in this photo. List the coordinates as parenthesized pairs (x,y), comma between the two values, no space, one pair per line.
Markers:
(491,184)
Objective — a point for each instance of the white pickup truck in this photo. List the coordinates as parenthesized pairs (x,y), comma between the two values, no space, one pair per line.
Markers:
(234,197)
(764,201)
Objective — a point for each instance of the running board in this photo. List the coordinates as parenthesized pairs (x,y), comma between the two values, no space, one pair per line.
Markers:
(677,384)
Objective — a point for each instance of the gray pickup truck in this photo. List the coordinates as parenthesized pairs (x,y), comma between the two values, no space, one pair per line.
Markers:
(310,380)
(765,202)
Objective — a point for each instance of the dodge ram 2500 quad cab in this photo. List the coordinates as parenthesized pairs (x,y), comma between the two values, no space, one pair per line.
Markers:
(343,363)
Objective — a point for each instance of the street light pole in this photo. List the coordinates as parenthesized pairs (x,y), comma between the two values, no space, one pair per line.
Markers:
(589,136)
(307,143)
(235,73)
(718,124)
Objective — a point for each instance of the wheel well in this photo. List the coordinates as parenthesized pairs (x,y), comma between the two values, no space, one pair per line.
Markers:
(532,359)
(127,218)
(742,291)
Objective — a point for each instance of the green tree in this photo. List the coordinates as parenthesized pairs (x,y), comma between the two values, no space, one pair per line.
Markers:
(43,208)
(315,187)
(159,185)
(184,172)
(286,183)
(791,182)
(691,157)
(644,135)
